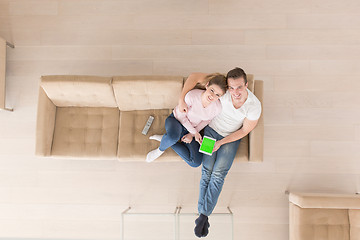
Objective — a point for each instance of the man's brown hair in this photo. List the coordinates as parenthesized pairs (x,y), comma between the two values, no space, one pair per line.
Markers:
(236,73)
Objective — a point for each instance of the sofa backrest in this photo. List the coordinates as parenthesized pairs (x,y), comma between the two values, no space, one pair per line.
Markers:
(79,91)
(147,92)
(251,82)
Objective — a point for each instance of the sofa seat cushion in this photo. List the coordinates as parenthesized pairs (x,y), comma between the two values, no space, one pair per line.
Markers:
(79,91)
(242,154)
(318,223)
(86,132)
(147,92)
(133,145)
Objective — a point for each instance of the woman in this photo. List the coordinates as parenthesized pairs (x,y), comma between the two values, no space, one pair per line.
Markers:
(202,107)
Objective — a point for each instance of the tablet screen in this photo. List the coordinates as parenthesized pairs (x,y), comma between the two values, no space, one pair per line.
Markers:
(207,145)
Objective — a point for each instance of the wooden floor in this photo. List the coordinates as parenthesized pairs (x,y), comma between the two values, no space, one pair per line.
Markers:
(307,52)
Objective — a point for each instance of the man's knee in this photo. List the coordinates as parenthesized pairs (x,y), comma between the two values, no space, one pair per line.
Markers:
(206,172)
(219,175)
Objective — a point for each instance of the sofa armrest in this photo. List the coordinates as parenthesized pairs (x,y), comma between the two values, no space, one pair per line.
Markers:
(323,200)
(256,136)
(45,124)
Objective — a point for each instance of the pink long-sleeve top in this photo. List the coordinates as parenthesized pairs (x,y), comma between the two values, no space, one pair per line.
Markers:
(197,117)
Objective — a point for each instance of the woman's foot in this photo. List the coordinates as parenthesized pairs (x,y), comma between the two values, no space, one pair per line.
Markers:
(156,137)
(154,154)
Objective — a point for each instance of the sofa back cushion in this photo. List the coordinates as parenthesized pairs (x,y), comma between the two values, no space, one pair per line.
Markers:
(147,92)
(79,91)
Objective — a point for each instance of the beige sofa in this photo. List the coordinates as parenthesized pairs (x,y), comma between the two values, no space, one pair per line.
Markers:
(102,117)
(324,216)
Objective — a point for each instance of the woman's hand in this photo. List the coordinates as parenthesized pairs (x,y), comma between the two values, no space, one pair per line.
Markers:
(182,106)
(187,138)
(198,138)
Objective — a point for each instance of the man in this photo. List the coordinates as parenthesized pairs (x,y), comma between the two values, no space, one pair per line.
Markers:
(240,113)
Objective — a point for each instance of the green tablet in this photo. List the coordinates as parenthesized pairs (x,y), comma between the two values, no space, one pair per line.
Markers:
(207,145)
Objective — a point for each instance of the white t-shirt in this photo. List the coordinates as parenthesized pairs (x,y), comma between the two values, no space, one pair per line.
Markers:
(231,119)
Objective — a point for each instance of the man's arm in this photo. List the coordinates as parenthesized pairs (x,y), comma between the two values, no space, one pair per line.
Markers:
(190,83)
(248,126)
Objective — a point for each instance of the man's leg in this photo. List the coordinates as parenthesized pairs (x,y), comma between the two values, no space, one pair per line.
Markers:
(207,168)
(224,159)
(189,152)
(202,224)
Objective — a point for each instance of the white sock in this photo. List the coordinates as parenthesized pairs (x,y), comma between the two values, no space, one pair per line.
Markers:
(156,137)
(154,154)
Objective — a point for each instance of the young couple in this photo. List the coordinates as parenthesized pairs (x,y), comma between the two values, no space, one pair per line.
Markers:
(227,111)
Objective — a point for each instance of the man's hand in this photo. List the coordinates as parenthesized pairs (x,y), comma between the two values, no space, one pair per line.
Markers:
(217,145)
(187,138)
(182,106)
(198,137)
(190,83)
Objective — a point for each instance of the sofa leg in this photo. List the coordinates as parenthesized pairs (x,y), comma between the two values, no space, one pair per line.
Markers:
(8,109)
(10,45)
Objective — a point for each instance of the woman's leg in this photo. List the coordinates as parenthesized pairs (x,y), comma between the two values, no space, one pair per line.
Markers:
(174,131)
(189,152)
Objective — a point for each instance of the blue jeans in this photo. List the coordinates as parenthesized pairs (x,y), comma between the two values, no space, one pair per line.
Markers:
(214,171)
(187,151)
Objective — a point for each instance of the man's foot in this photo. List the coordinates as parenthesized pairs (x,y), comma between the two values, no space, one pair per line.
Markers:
(205,230)
(154,154)
(200,224)
(156,137)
